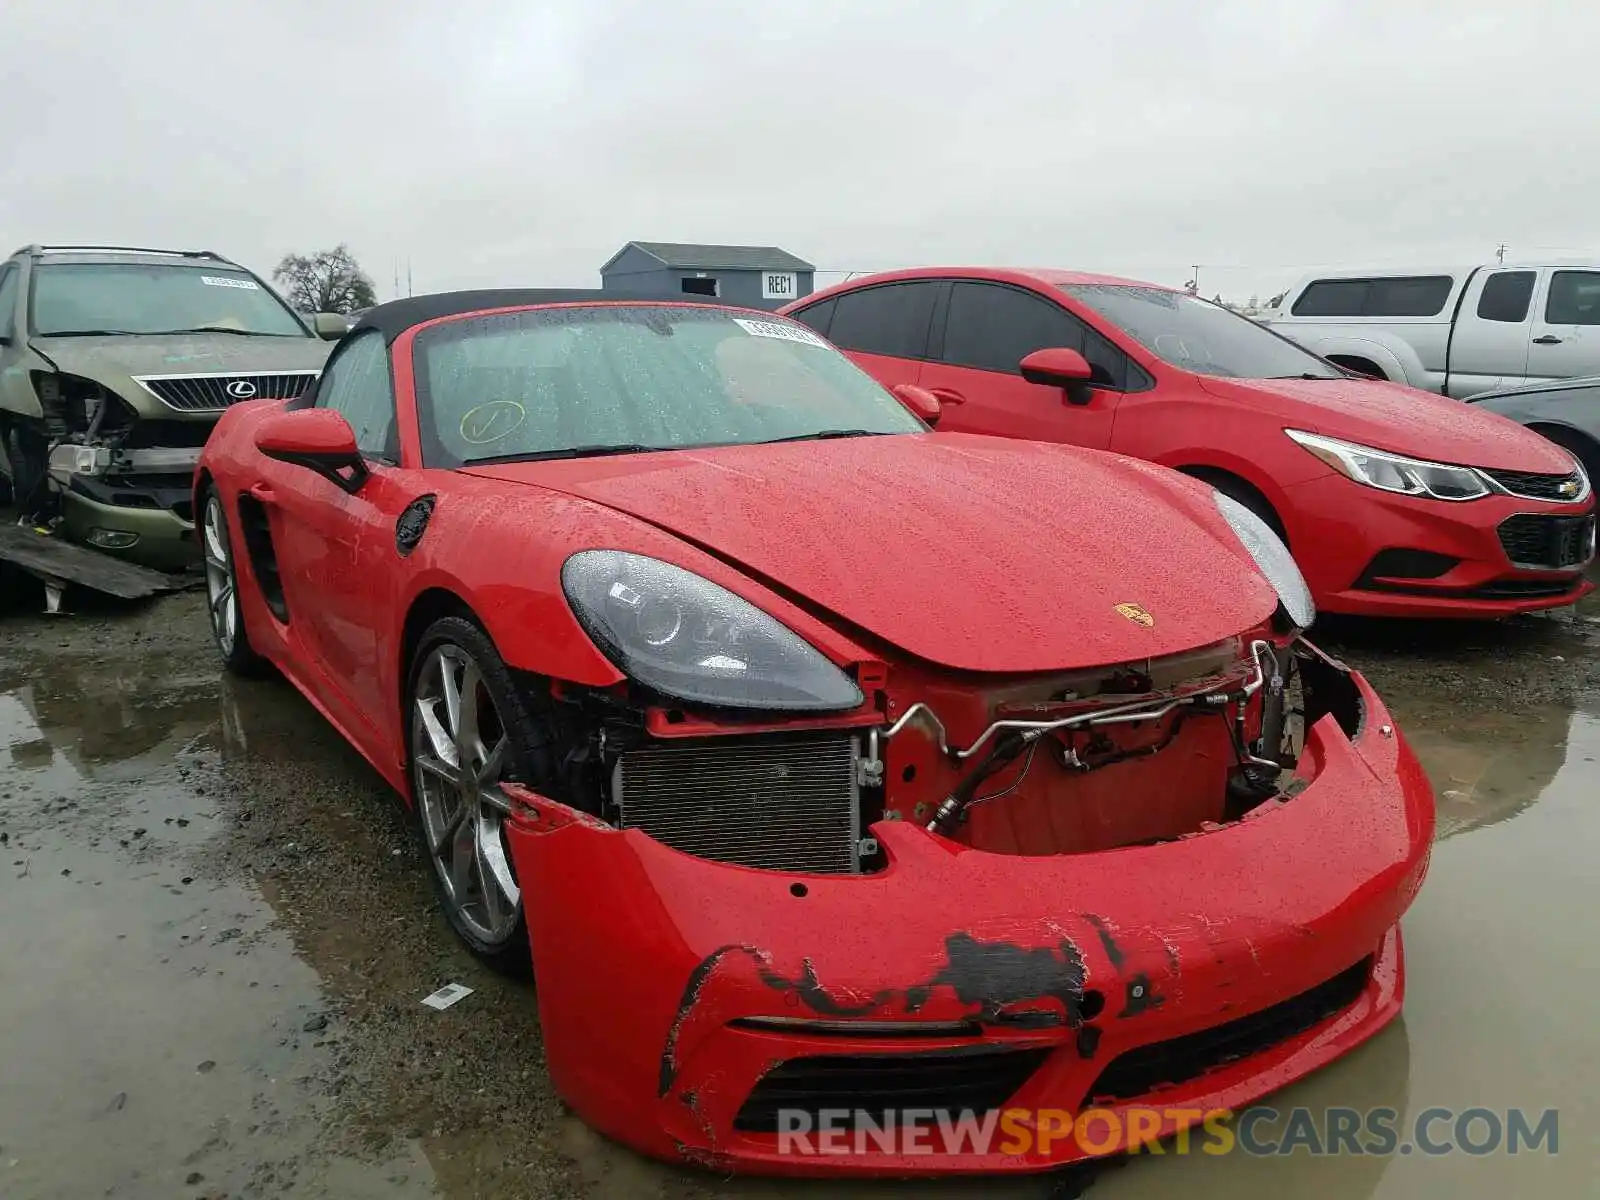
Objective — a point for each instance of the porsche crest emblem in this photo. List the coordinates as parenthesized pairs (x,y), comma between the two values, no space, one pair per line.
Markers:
(1136,614)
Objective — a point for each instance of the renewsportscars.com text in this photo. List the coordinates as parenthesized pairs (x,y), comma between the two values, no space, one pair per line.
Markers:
(1260,1131)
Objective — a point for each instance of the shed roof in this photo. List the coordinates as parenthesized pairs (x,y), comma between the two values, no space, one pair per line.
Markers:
(687,256)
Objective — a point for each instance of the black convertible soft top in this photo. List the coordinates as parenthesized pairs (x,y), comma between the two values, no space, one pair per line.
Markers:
(397,316)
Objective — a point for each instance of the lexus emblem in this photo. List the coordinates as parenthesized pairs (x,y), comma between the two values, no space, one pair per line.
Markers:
(241,389)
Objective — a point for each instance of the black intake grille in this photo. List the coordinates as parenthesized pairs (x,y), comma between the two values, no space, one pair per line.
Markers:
(213,393)
(1178,1060)
(1540,487)
(1547,543)
(1405,564)
(976,1079)
(784,803)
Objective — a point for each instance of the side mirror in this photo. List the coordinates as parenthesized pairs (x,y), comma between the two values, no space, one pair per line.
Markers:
(330,327)
(319,439)
(919,400)
(1056,366)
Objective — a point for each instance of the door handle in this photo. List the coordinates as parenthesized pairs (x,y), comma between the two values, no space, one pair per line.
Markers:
(948,396)
(1548,339)
(263,492)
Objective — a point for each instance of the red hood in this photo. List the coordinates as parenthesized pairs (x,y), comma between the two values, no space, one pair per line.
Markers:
(976,553)
(1389,416)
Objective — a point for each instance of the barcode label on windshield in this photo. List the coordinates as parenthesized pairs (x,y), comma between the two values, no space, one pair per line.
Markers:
(781,330)
(224,281)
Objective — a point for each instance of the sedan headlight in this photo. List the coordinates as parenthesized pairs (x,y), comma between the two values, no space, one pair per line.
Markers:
(1394,472)
(682,635)
(1274,559)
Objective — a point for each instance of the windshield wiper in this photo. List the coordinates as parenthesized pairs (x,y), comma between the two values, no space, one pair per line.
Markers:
(89,333)
(223,329)
(1307,375)
(823,435)
(598,451)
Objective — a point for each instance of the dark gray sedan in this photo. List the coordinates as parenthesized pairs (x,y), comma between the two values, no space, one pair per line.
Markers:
(1567,411)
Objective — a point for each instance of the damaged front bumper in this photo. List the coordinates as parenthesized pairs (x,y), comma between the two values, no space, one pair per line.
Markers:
(135,502)
(687,1004)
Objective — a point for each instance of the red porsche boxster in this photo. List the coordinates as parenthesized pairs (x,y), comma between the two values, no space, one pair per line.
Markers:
(852,787)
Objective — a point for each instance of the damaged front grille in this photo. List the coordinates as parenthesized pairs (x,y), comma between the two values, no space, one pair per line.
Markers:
(1180,1059)
(215,392)
(976,1079)
(781,803)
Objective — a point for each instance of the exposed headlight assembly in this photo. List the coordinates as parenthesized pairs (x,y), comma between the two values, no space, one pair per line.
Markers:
(685,637)
(1394,472)
(1273,557)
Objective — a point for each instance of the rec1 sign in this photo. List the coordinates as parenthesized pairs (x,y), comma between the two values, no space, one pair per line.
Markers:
(779,285)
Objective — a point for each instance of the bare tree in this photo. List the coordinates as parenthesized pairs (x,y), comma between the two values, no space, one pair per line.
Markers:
(327,281)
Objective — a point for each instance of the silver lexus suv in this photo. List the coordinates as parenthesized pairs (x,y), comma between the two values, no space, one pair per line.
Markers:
(114,365)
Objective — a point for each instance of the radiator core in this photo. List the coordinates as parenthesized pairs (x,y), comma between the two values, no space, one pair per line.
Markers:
(781,803)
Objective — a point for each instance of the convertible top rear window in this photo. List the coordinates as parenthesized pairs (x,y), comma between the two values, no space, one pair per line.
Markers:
(645,377)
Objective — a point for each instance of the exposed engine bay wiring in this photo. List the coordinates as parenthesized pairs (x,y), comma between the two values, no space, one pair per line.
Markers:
(1135,710)
(1012,737)
(1027,765)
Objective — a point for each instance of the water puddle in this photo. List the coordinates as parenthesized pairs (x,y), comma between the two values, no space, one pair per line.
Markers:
(163,1037)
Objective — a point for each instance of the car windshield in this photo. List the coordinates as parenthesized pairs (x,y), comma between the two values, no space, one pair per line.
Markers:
(150,298)
(1199,336)
(566,381)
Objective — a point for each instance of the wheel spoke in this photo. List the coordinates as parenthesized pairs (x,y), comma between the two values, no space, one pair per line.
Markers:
(441,769)
(494,761)
(495,869)
(224,594)
(452,697)
(444,747)
(468,746)
(451,825)
(216,552)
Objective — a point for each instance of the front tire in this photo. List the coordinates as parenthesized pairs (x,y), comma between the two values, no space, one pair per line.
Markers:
(222,590)
(471,731)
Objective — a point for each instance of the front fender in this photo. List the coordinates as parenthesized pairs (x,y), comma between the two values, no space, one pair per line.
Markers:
(500,551)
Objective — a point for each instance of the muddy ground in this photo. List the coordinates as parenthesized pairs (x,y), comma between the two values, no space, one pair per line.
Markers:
(215,931)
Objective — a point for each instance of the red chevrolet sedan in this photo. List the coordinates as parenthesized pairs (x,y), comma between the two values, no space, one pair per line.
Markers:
(1394,502)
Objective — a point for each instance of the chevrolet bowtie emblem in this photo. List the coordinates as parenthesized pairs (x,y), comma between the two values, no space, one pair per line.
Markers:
(1569,487)
(1136,614)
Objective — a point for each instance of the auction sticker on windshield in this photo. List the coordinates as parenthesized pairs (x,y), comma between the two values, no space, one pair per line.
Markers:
(780,330)
(224,281)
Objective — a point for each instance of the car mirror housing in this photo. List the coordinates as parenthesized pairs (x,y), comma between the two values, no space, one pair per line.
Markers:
(1057,366)
(330,327)
(318,439)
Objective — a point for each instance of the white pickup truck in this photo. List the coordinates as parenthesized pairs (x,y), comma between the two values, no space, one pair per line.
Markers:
(1453,330)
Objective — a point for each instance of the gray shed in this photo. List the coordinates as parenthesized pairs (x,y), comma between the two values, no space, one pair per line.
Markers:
(756,276)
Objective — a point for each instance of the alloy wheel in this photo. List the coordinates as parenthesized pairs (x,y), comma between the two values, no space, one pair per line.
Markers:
(459,749)
(221,584)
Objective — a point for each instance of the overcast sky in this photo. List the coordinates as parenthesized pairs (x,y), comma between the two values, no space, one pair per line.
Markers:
(515,143)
